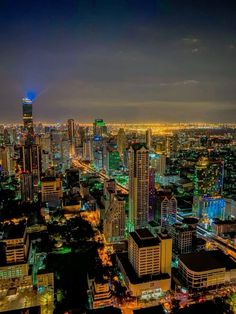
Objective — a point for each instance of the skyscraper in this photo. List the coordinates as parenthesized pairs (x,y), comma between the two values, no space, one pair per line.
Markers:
(26,181)
(166,208)
(30,161)
(71,129)
(122,142)
(148,138)
(99,128)
(138,185)
(27,117)
(208,185)
(71,135)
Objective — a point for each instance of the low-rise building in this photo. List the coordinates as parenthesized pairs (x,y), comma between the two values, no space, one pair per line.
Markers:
(224,226)
(206,268)
(100,293)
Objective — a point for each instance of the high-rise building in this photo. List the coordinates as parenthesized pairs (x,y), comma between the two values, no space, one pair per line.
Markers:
(208,177)
(113,161)
(71,135)
(30,161)
(158,163)
(138,186)
(99,128)
(26,181)
(144,252)
(7,160)
(208,184)
(51,190)
(71,129)
(122,142)
(148,138)
(28,118)
(87,150)
(166,209)
(114,222)
(182,236)
(147,268)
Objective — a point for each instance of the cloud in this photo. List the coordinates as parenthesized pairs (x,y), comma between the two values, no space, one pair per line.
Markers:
(191,40)
(181,83)
(195,50)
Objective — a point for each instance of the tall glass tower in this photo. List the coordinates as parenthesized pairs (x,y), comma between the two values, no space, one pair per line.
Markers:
(138,186)
(27,116)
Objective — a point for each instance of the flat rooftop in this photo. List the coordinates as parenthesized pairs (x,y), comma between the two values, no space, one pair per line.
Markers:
(133,278)
(12,231)
(207,260)
(144,238)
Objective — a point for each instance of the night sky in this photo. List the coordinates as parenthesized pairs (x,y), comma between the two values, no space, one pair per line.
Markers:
(121,60)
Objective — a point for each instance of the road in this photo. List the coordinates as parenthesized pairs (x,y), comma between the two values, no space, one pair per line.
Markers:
(85,167)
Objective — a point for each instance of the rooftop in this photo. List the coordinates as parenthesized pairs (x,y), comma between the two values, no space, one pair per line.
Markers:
(144,238)
(12,231)
(138,146)
(48,179)
(207,260)
(225,222)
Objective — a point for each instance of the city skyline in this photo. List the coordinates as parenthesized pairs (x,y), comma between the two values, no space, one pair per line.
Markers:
(126,61)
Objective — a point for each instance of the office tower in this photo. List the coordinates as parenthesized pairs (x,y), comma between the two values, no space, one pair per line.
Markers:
(182,236)
(208,185)
(113,161)
(71,129)
(158,163)
(71,135)
(148,138)
(98,158)
(122,142)
(208,179)
(30,161)
(114,221)
(161,167)
(152,194)
(46,153)
(147,268)
(65,154)
(7,160)
(28,119)
(166,209)
(26,181)
(99,129)
(138,186)
(166,252)
(51,190)
(87,150)
(144,252)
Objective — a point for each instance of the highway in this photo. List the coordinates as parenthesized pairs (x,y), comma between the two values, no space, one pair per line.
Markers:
(81,165)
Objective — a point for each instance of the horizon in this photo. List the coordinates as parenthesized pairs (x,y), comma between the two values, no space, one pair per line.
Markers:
(123,61)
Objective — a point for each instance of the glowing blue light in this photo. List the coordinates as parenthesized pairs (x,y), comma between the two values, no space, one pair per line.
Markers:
(97,138)
(31,94)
